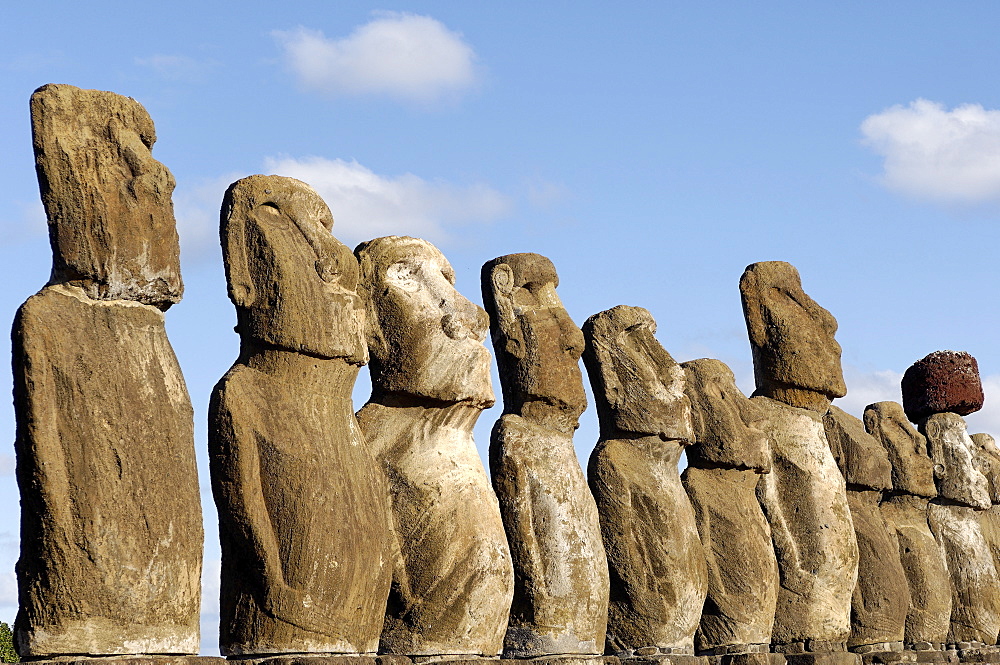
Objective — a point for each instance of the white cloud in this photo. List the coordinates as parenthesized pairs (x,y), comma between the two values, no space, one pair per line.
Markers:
(864,388)
(932,153)
(7,465)
(403,56)
(367,205)
(177,67)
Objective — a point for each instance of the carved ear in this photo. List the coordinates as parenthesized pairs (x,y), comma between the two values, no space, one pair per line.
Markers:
(502,282)
(232,231)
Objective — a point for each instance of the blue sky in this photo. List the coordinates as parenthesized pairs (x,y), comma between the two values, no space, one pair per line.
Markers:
(651,150)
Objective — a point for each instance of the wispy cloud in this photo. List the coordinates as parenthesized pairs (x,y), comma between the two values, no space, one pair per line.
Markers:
(403,56)
(932,153)
(367,205)
(177,67)
(868,387)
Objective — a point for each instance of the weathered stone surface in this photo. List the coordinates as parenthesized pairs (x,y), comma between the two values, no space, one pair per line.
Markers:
(860,457)
(805,501)
(955,474)
(909,454)
(986,458)
(881,598)
(975,584)
(313,659)
(823,658)
(656,560)
(905,512)
(132,660)
(453,583)
(111,532)
(796,359)
(303,509)
(941,382)
(929,613)
(111,220)
(724,465)
(560,567)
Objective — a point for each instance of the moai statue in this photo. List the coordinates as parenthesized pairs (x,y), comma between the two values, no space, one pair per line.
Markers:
(905,512)
(659,576)
(303,507)
(881,598)
(986,457)
(453,582)
(725,463)
(111,530)
(560,567)
(937,391)
(797,370)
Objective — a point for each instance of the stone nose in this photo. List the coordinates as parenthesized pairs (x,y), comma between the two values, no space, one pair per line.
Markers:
(464,321)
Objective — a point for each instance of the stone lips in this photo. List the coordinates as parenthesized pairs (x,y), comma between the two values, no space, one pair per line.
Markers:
(941,382)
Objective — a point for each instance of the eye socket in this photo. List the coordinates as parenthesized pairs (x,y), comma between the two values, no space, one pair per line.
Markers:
(403,276)
(449,274)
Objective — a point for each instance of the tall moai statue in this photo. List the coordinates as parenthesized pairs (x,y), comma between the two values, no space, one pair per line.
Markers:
(881,598)
(729,455)
(659,576)
(797,371)
(905,511)
(986,457)
(560,567)
(453,581)
(937,391)
(111,529)
(303,507)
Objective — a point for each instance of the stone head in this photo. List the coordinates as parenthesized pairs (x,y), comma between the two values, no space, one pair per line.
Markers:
(986,457)
(725,420)
(908,451)
(638,388)
(954,470)
(537,345)
(795,356)
(425,338)
(862,459)
(294,285)
(110,216)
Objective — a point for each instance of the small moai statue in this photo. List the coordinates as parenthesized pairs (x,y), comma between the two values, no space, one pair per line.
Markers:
(453,580)
(725,462)
(111,527)
(797,371)
(560,567)
(905,512)
(303,507)
(937,391)
(659,575)
(881,598)
(986,457)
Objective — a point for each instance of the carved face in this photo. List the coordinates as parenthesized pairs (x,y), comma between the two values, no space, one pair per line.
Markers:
(111,219)
(954,470)
(426,339)
(294,284)
(792,337)
(912,467)
(638,387)
(538,345)
(986,457)
(724,419)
